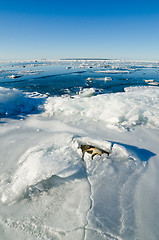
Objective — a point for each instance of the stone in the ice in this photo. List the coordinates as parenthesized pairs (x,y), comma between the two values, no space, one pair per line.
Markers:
(92,150)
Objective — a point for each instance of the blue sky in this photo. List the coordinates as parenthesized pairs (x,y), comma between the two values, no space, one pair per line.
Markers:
(66,29)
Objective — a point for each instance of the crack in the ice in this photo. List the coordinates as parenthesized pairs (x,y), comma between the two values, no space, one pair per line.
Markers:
(91,201)
(124,208)
(91,205)
(105,234)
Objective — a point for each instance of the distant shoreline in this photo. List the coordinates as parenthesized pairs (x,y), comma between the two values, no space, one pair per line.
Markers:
(96,59)
(36,60)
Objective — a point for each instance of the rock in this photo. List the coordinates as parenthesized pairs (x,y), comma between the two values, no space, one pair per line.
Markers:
(92,150)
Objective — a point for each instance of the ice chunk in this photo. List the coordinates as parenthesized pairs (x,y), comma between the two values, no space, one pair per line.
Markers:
(14,76)
(108,79)
(14,101)
(153,83)
(87,92)
(149,80)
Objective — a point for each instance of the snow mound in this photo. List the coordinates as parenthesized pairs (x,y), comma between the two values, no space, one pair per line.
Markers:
(122,111)
(87,92)
(99,192)
(38,164)
(14,101)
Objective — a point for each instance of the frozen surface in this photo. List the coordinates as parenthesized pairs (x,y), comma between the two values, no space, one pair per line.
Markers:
(137,106)
(48,191)
(112,71)
(13,102)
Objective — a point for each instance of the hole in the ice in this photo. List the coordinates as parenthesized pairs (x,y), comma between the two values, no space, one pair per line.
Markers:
(93,150)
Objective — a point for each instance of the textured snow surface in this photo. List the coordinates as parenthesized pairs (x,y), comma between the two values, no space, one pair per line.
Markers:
(48,192)
(122,111)
(50,173)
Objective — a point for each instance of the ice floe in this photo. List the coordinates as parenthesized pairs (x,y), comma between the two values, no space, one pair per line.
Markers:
(149,80)
(108,79)
(14,76)
(112,71)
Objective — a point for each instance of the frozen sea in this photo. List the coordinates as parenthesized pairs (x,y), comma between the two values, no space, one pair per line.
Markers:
(48,190)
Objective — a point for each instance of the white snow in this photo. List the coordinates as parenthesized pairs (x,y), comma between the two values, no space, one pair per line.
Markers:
(86,92)
(12,76)
(120,110)
(149,80)
(48,192)
(108,79)
(154,83)
(40,163)
(112,71)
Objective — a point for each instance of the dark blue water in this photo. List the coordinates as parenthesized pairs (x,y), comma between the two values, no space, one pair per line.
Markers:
(69,77)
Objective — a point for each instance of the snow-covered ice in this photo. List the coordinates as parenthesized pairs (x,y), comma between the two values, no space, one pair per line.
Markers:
(112,71)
